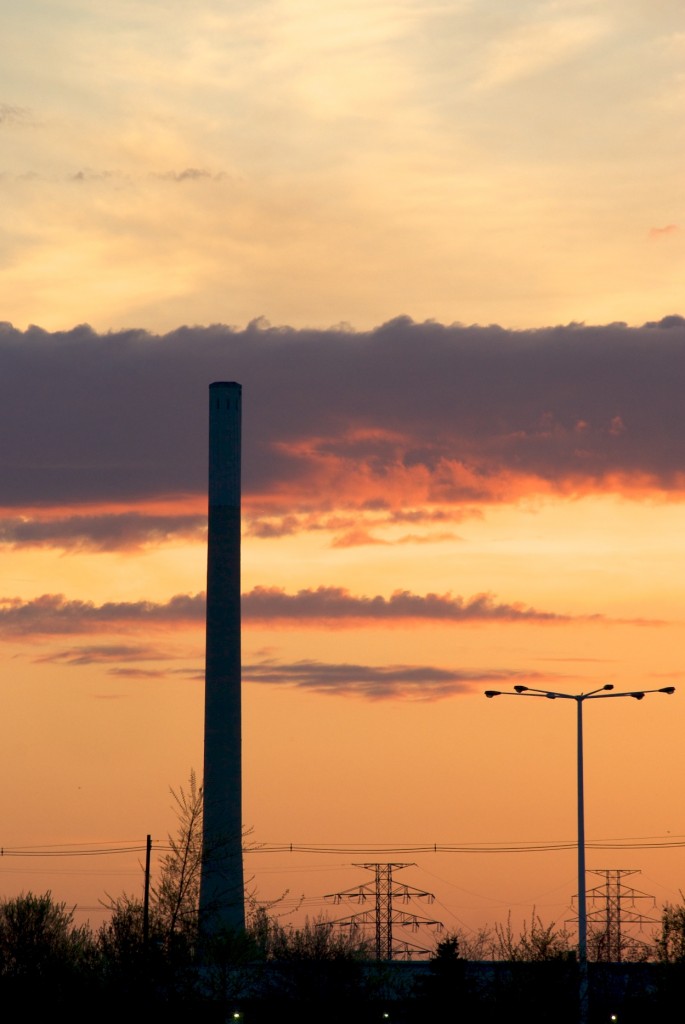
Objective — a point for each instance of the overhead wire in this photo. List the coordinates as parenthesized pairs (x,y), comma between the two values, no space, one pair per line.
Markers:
(113,848)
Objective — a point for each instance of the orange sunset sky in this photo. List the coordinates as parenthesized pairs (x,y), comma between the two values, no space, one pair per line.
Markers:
(440,247)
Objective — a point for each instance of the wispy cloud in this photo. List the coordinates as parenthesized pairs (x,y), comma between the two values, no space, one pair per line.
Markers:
(137,673)
(104,654)
(667,229)
(10,114)
(357,528)
(371,682)
(193,174)
(381,682)
(125,660)
(133,531)
(538,45)
(361,537)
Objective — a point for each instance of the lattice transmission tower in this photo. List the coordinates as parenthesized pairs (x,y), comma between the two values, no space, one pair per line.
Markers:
(611,910)
(386,893)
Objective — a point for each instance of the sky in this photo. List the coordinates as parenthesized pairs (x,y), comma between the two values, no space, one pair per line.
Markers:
(441,248)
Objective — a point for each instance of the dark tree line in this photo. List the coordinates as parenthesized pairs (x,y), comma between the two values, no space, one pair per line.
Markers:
(148,959)
(50,965)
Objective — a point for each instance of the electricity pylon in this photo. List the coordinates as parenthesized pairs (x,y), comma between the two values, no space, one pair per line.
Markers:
(612,910)
(385,893)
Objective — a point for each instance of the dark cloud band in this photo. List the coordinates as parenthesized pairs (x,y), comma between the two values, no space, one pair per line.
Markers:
(456,413)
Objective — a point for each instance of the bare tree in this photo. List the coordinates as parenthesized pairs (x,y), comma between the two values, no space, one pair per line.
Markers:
(536,942)
(318,939)
(670,942)
(176,896)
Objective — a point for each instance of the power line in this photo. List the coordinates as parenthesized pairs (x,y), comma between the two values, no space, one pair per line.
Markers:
(480,848)
(42,852)
(351,849)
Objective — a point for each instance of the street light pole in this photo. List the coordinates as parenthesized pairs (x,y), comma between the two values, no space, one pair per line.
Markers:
(583,980)
(582,893)
(579,698)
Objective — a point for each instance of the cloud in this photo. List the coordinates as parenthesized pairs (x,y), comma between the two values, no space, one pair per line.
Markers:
(137,673)
(11,115)
(540,45)
(360,537)
(409,682)
(334,604)
(110,532)
(667,322)
(192,174)
(668,229)
(90,175)
(121,660)
(55,615)
(372,682)
(357,537)
(407,415)
(348,531)
(103,654)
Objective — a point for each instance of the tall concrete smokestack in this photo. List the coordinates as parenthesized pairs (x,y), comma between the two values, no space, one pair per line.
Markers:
(222,887)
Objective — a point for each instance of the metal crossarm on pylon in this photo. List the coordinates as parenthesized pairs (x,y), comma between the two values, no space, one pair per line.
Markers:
(385,894)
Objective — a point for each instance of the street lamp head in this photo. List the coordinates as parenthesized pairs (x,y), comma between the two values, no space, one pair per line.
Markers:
(667,689)
(493,693)
(608,686)
(520,689)
(637,696)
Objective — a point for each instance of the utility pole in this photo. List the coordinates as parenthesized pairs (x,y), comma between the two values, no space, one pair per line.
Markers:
(146,895)
(386,893)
